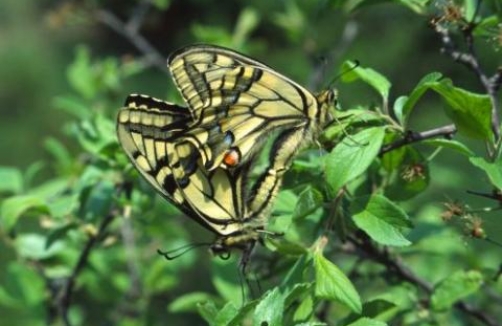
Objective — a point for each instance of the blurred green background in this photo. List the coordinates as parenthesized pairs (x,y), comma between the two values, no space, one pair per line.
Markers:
(42,41)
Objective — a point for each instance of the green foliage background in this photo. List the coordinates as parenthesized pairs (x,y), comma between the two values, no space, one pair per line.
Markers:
(65,182)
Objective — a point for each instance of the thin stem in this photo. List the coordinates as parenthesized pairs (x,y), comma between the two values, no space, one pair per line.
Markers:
(413,137)
(63,298)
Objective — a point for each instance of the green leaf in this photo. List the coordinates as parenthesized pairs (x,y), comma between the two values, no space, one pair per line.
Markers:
(59,233)
(419,6)
(161,4)
(99,201)
(33,246)
(398,108)
(270,310)
(381,219)
(159,277)
(248,20)
(208,311)
(12,180)
(454,288)
(403,110)
(378,309)
(211,34)
(492,170)
(364,321)
(226,314)
(373,78)
(59,152)
(237,319)
(188,302)
(31,173)
(14,207)
(95,136)
(332,284)
(287,247)
(64,205)
(226,279)
(486,26)
(304,310)
(73,105)
(80,74)
(292,19)
(352,157)
(470,112)
(52,188)
(25,285)
(298,291)
(294,277)
(309,200)
(285,202)
(450,144)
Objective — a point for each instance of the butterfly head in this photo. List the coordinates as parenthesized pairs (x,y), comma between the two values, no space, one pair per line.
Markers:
(244,242)
(326,100)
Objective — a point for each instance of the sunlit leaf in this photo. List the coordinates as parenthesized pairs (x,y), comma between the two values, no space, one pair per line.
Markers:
(365,321)
(33,246)
(381,219)
(455,287)
(270,310)
(14,207)
(332,284)
(370,76)
(12,180)
(352,157)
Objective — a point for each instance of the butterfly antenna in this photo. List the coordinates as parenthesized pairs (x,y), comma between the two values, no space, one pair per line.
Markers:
(178,252)
(356,64)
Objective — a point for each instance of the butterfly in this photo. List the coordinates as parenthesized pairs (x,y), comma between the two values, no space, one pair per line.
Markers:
(200,156)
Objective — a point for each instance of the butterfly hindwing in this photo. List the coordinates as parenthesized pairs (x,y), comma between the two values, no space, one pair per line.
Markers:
(146,129)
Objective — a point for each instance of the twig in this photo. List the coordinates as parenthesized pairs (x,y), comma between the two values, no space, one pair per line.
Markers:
(63,298)
(136,20)
(132,257)
(130,30)
(413,137)
(395,266)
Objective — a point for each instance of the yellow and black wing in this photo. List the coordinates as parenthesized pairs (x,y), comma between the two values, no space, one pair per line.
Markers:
(236,101)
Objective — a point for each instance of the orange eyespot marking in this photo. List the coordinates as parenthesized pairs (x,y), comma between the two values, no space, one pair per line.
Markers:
(231,158)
